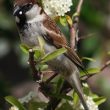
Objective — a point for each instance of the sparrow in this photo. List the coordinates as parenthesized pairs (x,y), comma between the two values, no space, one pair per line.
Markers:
(32,22)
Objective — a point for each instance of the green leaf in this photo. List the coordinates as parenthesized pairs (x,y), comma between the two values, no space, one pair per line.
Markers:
(24,48)
(14,102)
(65,106)
(43,67)
(99,100)
(35,105)
(64,96)
(75,99)
(91,71)
(61,96)
(63,20)
(75,15)
(53,55)
(59,85)
(38,54)
(89,59)
(86,90)
(41,42)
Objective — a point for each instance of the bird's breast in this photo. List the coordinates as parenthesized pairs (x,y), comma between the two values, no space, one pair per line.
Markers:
(30,33)
(29,36)
(61,64)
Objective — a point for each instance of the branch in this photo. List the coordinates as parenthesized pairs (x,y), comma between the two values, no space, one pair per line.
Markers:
(79,6)
(86,77)
(52,77)
(53,103)
(36,74)
(105,65)
(74,26)
(44,87)
(86,36)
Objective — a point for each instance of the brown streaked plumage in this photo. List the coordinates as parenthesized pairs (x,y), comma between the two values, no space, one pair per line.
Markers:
(22,2)
(33,22)
(54,32)
(59,40)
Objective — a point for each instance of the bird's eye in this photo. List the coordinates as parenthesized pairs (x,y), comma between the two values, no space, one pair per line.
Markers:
(20,12)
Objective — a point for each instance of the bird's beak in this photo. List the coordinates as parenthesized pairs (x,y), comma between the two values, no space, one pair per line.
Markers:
(16,9)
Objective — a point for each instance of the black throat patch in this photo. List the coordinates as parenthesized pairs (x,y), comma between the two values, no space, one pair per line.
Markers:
(22,21)
(20,14)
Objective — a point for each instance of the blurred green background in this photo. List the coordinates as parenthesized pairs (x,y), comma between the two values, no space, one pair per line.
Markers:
(94,24)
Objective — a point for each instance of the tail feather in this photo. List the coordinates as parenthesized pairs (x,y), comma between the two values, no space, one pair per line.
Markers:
(74,80)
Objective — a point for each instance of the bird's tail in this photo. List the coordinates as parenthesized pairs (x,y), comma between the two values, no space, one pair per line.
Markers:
(74,80)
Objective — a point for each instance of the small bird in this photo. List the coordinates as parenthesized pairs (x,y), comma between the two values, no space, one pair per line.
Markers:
(32,22)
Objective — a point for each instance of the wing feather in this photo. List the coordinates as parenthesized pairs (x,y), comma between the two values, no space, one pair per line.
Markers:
(57,38)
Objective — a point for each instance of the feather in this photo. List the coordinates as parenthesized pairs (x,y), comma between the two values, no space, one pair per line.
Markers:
(23,2)
(57,38)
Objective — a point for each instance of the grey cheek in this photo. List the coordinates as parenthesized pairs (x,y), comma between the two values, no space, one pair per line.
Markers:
(17,19)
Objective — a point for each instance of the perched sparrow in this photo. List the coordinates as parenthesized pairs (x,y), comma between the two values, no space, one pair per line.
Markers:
(33,22)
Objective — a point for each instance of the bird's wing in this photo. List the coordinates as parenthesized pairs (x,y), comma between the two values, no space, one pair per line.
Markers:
(71,54)
(55,37)
(53,33)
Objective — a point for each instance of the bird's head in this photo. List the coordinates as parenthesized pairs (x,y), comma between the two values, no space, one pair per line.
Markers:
(25,10)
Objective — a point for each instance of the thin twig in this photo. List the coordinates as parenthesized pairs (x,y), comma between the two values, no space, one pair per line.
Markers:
(52,77)
(105,65)
(74,27)
(86,36)
(85,77)
(72,37)
(79,6)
